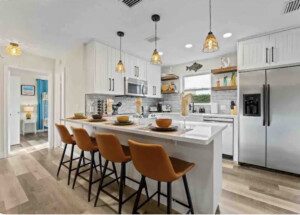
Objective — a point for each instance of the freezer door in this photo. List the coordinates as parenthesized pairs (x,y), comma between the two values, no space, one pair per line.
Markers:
(283,133)
(252,132)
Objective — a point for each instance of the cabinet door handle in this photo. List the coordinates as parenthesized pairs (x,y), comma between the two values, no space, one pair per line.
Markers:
(267,55)
(113,81)
(273,54)
(109,84)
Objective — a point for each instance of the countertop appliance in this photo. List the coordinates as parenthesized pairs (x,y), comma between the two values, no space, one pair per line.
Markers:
(166,108)
(135,87)
(227,134)
(153,109)
(270,118)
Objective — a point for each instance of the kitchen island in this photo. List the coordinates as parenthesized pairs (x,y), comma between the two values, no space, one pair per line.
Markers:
(200,143)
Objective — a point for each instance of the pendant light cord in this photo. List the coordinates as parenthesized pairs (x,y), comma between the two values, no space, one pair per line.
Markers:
(120,48)
(209,15)
(155,35)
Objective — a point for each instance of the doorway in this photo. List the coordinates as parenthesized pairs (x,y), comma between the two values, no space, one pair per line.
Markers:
(28,109)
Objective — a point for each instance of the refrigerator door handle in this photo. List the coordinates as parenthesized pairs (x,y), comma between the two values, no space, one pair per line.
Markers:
(268,104)
(264,104)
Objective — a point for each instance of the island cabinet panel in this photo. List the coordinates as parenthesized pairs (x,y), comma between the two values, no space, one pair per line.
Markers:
(154,80)
(272,50)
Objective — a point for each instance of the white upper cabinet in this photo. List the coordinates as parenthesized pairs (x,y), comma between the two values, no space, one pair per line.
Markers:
(135,67)
(154,80)
(253,53)
(285,47)
(277,49)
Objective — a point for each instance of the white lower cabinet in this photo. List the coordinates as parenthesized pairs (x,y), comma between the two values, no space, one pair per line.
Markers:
(154,81)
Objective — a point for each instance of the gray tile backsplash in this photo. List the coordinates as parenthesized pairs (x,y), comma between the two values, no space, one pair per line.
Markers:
(128,105)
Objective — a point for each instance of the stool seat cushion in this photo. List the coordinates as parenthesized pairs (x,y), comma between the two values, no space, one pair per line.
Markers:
(181,167)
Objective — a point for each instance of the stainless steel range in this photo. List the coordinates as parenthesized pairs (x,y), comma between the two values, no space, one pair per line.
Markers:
(270,118)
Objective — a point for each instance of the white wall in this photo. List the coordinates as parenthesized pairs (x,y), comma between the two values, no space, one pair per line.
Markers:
(25,61)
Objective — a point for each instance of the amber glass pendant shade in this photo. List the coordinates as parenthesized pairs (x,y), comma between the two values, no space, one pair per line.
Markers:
(13,49)
(155,59)
(210,43)
(120,68)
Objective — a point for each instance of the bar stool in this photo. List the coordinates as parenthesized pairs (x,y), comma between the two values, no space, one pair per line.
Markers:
(67,139)
(111,149)
(86,144)
(152,162)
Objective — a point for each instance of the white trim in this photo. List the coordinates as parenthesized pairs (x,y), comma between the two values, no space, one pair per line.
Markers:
(7,74)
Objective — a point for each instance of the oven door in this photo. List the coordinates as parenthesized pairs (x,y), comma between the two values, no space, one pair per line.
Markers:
(135,87)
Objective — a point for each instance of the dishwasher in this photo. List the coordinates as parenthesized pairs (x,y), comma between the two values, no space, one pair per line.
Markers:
(227,134)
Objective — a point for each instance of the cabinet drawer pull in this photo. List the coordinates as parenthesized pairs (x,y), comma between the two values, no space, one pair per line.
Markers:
(109,84)
(267,55)
(113,81)
(272,54)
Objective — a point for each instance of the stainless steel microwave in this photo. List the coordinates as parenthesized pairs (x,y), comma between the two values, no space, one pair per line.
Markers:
(135,87)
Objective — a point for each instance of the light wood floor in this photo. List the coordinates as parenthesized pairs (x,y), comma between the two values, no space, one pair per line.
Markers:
(28,184)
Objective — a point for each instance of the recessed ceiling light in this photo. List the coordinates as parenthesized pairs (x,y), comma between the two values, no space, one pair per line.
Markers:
(188,46)
(160,53)
(227,35)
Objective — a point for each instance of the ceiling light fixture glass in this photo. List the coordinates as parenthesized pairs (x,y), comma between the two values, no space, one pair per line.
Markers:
(155,59)
(120,68)
(227,35)
(13,49)
(210,43)
(188,46)
(160,53)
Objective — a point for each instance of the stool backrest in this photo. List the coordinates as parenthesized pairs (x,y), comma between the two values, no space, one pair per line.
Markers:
(152,161)
(83,139)
(64,134)
(110,147)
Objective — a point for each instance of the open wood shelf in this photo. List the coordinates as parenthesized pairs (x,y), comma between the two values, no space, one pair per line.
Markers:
(224,88)
(224,70)
(169,92)
(169,77)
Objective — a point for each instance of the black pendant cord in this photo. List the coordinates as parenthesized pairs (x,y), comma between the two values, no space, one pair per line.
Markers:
(120,48)
(155,35)
(209,15)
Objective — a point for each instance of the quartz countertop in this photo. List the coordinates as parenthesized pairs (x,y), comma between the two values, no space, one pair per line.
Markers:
(201,114)
(196,132)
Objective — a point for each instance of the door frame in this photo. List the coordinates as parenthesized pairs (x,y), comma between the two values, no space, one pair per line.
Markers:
(7,74)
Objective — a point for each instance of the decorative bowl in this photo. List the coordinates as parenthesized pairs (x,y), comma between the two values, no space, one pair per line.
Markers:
(163,123)
(123,119)
(97,116)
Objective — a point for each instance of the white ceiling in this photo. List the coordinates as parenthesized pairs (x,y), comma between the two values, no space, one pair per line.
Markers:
(50,27)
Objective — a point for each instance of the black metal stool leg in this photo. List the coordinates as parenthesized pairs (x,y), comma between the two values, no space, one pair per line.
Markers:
(61,160)
(83,159)
(146,189)
(100,163)
(77,170)
(169,197)
(158,194)
(188,195)
(138,195)
(70,164)
(101,183)
(116,174)
(121,187)
(91,175)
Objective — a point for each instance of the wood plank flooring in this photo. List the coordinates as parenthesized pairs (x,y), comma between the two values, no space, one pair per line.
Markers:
(29,185)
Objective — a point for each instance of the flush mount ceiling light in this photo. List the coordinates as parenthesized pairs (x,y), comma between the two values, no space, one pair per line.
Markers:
(155,59)
(188,46)
(210,43)
(13,49)
(227,35)
(120,68)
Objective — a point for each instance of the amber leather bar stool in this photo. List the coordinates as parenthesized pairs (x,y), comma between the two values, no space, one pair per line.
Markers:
(86,144)
(67,139)
(111,149)
(152,161)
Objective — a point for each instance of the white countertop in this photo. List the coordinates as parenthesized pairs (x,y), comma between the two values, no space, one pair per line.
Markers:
(201,114)
(197,132)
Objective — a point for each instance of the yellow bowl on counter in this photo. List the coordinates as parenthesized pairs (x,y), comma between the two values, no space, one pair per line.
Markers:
(123,118)
(163,123)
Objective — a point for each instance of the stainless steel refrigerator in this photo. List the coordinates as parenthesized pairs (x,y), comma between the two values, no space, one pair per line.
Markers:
(269,112)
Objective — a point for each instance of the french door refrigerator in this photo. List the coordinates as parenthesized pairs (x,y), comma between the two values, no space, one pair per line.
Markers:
(269,114)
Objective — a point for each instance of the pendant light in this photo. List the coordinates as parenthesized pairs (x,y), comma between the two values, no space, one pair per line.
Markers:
(155,59)
(13,49)
(210,43)
(120,68)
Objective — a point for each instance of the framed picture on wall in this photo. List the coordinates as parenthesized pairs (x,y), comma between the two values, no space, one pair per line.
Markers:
(27,90)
